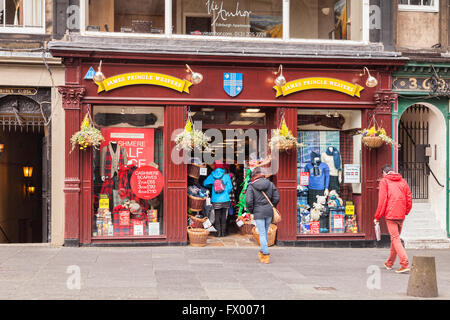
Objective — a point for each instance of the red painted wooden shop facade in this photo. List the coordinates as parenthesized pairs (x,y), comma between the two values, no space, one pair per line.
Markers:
(257,91)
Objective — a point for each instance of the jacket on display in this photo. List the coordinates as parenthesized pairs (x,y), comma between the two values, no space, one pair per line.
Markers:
(394,198)
(209,181)
(110,160)
(257,204)
(319,176)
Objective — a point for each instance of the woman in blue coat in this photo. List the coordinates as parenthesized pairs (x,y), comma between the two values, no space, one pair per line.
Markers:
(220,199)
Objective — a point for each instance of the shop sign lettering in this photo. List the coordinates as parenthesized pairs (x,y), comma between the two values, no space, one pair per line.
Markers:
(416,84)
(319,83)
(19,91)
(157,79)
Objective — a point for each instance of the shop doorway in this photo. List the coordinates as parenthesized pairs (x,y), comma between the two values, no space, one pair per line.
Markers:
(24,172)
(242,129)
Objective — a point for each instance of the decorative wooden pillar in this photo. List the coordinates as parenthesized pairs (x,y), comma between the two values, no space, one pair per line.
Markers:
(374,159)
(175,180)
(286,182)
(71,103)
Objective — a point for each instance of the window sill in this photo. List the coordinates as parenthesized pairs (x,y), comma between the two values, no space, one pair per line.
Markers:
(20,30)
(408,8)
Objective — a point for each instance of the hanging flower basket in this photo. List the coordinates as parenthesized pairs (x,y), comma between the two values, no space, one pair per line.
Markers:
(375,137)
(88,136)
(191,138)
(283,140)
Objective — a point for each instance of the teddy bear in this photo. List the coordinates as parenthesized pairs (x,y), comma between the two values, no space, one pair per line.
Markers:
(306,219)
(316,211)
(334,200)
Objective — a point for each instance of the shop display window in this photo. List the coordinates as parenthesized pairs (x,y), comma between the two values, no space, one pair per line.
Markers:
(137,16)
(228,18)
(326,19)
(327,167)
(128,193)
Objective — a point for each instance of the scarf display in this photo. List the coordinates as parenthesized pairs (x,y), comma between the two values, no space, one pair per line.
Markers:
(336,157)
(242,204)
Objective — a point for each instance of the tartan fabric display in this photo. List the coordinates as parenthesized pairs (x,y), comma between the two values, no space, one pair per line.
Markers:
(346,146)
(124,229)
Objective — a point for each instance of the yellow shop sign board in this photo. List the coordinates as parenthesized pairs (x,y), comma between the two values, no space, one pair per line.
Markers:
(157,79)
(319,83)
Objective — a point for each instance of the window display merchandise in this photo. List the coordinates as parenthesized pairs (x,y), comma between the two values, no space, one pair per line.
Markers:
(128,183)
(320,208)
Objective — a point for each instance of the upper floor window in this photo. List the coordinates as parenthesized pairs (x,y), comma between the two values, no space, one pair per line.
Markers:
(22,16)
(125,16)
(419,5)
(282,19)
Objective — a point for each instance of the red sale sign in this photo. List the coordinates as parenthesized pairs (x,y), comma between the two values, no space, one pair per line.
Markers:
(147,182)
(139,143)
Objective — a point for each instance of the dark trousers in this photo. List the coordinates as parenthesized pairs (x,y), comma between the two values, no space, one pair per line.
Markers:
(220,222)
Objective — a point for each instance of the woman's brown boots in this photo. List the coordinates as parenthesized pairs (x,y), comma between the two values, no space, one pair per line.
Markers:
(264,258)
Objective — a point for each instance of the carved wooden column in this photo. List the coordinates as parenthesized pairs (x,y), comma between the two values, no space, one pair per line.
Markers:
(286,182)
(374,159)
(175,180)
(71,103)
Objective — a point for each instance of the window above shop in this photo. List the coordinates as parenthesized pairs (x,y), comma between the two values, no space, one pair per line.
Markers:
(244,19)
(419,5)
(22,16)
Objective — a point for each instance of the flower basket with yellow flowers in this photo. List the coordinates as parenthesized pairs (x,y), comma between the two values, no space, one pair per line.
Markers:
(191,138)
(88,136)
(374,137)
(282,138)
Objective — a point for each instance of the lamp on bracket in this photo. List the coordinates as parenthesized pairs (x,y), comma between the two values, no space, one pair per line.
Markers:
(371,81)
(194,77)
(280,80)
(99,76)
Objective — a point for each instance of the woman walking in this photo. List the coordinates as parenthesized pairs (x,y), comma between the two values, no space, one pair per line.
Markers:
(221,187)
(261,209)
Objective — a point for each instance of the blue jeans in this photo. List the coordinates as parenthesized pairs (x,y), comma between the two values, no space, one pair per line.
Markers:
(263,229)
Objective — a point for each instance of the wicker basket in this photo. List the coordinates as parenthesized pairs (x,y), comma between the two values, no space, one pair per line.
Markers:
(246,228)
(194,170)
(197,222)
(372,142)
(286,146)
(195,203)
(272,235)
(197,236)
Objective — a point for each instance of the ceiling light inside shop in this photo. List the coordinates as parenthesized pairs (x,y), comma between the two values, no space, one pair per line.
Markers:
(336,114)
(241,123)
(252,110)
(207,109)
(252,115)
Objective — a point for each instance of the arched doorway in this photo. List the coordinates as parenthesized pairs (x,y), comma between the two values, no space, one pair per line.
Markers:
(24,170)
(422,157)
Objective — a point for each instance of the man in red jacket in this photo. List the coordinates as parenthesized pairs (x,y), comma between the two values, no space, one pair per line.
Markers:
(394,203)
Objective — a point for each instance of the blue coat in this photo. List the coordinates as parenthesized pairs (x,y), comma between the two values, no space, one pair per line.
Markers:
(209,181)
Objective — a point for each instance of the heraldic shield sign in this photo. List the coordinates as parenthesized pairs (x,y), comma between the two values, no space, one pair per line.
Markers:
(232,83)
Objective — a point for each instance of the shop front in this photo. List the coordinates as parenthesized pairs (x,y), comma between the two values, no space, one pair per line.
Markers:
(144,100)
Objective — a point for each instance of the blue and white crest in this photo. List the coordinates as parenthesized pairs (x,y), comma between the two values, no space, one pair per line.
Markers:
(232,83)
(90,74)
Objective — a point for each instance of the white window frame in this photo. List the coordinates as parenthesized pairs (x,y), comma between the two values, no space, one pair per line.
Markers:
(419,7)
(168,29)
(26,30)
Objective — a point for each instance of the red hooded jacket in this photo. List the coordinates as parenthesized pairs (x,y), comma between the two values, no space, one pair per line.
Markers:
(394,198)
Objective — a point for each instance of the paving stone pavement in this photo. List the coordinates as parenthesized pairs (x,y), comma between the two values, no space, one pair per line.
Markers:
(212,272)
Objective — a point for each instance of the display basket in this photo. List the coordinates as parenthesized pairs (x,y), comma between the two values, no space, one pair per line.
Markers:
(197,236)
(271,237)
(197,222)
(195,203)
(286,145)
(246,228)
(194,170)
(372,142)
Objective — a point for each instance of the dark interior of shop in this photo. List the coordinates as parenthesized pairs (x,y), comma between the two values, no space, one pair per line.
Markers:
(21,186)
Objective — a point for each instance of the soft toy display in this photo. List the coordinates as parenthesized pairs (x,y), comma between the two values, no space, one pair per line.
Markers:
(334,200)
(136,210)
(316,211)
(306,219)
